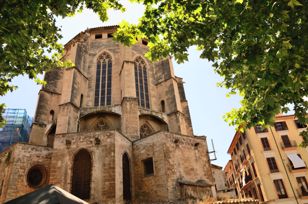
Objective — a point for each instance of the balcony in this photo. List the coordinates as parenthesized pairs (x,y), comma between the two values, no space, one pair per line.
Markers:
(288,145)
(248,178)
(248,182)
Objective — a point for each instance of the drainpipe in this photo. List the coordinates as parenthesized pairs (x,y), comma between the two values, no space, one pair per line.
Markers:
(284,166)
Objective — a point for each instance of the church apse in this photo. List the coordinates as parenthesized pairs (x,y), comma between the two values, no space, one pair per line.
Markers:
(116,120)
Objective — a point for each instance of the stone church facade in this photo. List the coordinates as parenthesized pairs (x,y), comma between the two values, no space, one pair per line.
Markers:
(115,128)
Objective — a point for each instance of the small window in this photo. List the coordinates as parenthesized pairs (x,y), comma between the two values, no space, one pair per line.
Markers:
(109,35)
(260,129)
(148,167)
(281,191)
(240,140)
(302,183)
(52,115)
(162,104)
(37,176)
(272,164)
(81,100)
(235,152)
(280,126)
(286,141)
(237,146)
(299,125)
(244,154)
(98,36)
(242,158)
(265,144)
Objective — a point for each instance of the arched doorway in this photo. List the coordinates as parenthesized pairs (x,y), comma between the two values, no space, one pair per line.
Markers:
(127,197)
(82,168)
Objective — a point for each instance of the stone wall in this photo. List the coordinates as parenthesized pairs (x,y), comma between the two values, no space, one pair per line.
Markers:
(178,161)
(122,145)
(151,188)
(15,164)
(101,146)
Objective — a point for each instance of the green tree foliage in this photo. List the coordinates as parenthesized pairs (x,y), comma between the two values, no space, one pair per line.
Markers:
(29,36)
(258,47)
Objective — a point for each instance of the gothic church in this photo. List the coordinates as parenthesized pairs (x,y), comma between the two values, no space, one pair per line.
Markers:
(115,128)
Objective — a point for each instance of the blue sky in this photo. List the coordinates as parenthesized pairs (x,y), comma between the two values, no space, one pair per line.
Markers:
(207,102)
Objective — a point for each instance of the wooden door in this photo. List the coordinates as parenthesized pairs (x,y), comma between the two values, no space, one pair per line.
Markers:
(82,168)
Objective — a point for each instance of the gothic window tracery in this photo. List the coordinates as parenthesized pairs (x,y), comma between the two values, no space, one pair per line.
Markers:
(103,80)
(141,82)
(37,176)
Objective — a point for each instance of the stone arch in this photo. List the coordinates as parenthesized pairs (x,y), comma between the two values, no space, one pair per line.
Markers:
(146,130)
(100,52)
(100,121)
(151,124)
(140,57)
(126,174)
(81,174)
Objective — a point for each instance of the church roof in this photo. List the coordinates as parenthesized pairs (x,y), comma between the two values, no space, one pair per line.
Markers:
(90,30)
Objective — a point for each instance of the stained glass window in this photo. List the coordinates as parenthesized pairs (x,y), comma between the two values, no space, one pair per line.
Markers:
(141,82)
(103,80)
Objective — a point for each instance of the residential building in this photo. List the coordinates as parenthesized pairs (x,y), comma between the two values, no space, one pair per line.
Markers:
(222,190)
(114,129)
(16,129)
(268,164)
(230,177)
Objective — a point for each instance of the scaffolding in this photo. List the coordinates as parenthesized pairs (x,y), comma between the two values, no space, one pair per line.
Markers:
(16,129)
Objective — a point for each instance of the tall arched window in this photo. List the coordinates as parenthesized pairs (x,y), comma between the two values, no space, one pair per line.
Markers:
(81,181)
(103,80)
(141,81)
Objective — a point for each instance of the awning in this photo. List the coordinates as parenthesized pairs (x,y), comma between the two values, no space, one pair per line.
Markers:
(296,160)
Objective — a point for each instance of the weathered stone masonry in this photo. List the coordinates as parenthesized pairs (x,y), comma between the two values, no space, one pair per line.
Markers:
(111,130)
